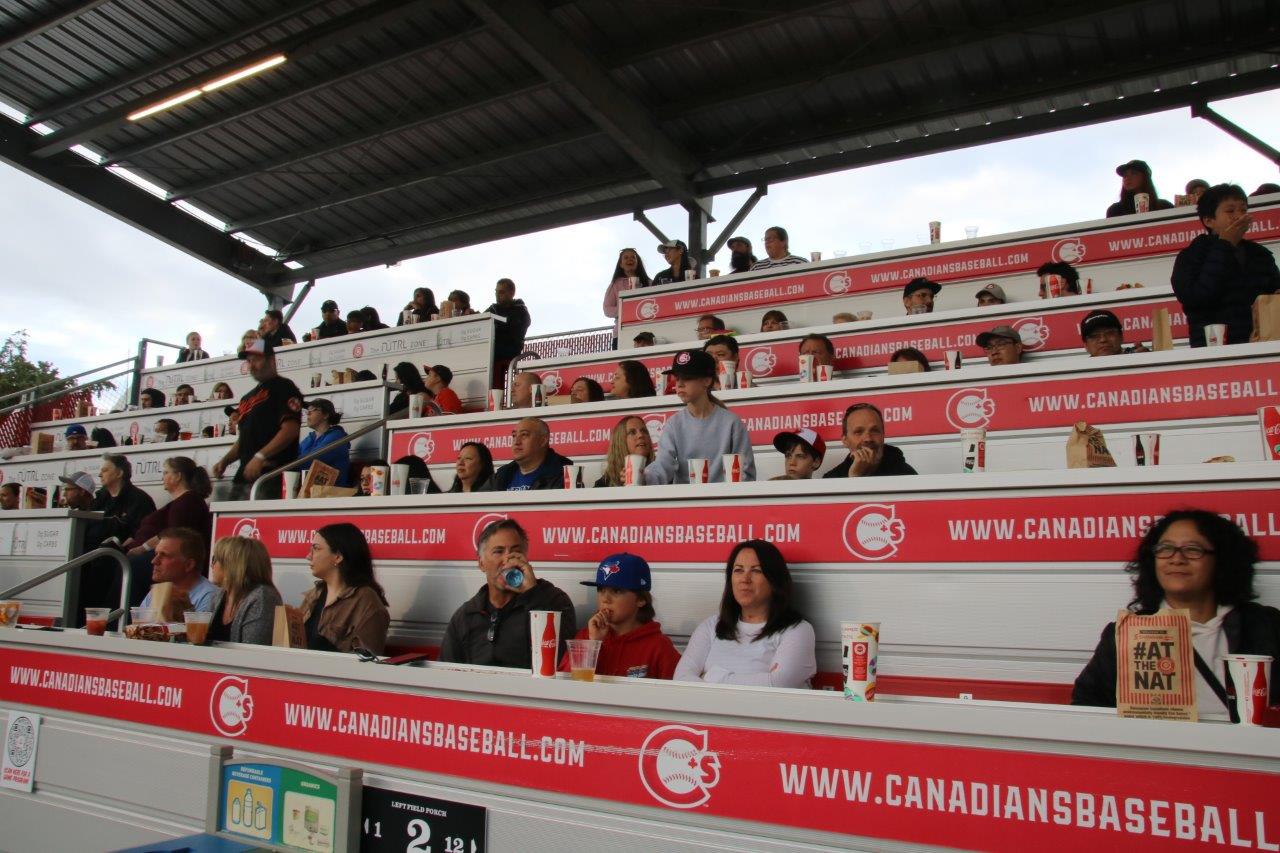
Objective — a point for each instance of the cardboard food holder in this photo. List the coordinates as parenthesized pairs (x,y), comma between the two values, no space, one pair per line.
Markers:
(1155,666)
(318,475)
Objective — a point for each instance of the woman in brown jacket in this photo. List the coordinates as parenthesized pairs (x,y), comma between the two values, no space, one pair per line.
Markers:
(347,607)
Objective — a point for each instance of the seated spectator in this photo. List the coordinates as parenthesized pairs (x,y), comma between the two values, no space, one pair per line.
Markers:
(629,266)
(820,347)
(585,390)
(331,325)
(192,351)
(702,429)
(420,308)
(533,465)
(508,337)
(184,394)
(740,259)
(709,325)
(1195,189)
(869,456)
(77,491)
(179,556)
(644,339)
(188,487)
(1103,334)
(355,322)
(918,295)
(166,430)
(802,452)
(323,421)
(244,609)
(631,380)
(773,321)
(366,375)
(777,246)
(249,336)
(461,302)
(1266,189)
(151,398)
(77,438)
(843,317)
(911,354)
(1135,177)
(101,437)
(406,373)
(991,294)
(522,389)
(122,504)
(632,645)
(1003,345)
(9,495)
(346,609)
(1070,278)
(221,391)
(364,489)
(206,432)
(676,254)
(758,637)
(418,470)
(721,348)
(629,436)
(1197,561)
(1220,273)
(273,329)
(473,468)
(492,628)
(445,398)
(372,322)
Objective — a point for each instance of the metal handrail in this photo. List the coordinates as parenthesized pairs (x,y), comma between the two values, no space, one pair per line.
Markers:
(61,379)
(53,395)
(122,613)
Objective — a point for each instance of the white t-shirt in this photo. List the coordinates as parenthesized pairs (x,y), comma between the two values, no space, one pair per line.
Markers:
(785,659)
(1211,644)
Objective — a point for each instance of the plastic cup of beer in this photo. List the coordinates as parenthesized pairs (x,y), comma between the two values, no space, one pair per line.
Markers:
(142,615)
(1215,334)
(198,622)
(289,484)
(715,273)
(582,659)
(9,610)
(1251,677)
(95,620)
(419,485)
(699,470)
(633,470)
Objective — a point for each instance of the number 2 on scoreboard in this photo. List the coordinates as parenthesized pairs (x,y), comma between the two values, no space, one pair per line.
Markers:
(419,834)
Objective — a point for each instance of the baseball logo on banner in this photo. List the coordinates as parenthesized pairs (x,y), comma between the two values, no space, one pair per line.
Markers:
(970,407)
(1032,331)
(246,528)
(1071,250)
(482,522)
(873,531)
(357,350)
(231,706)
(654,424)
(760,361)
(648,309)
(551,383)
(837,283)
(422,445)
(677,767)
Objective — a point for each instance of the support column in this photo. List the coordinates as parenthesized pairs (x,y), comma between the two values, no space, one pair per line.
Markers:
(743,212)
(698,218)
(640,217)
(1234,130)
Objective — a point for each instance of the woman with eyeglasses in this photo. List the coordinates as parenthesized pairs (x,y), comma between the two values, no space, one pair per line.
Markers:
(1198,561)
(629,266)
(346,609)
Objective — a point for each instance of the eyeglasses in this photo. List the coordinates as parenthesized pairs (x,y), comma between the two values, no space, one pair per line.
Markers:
(494,619)
(995,346)
(1165,550)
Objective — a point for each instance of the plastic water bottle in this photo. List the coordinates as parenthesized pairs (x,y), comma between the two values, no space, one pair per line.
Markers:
(514,577)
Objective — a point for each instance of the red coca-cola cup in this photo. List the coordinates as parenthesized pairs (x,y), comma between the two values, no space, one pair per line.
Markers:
(633,470)
(1251,678)
(544,633)
(1269,423)
(733,466)
(699,470)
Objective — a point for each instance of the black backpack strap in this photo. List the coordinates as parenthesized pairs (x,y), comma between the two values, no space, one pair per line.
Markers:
(1216,685)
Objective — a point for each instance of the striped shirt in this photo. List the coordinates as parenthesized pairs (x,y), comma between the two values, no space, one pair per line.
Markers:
(770,263)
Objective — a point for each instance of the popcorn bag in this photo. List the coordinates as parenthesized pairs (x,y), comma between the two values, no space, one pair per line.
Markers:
(1161,331)
(288,632)
(1086,448)
(1266,318)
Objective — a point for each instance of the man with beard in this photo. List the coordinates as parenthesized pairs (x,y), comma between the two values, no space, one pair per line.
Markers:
(741,259)
(868,455)
(269,420)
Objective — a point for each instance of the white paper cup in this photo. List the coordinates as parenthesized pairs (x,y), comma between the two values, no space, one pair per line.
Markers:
(399,479)
(495,400)
(823,372)
(690,275)
(633,470)
(289,484)
(1146,448)
(378,477)
(935,231)
(815,256)
(864,315)
(727,372)
(806,368)
(859,659)
(1215,334)
(734,466)
(573,477)
(952,359)
(699,470)
(544,635)
(743,379)
(1141,202)
(537,394)
(973,446)
(415,405)
(1251,678)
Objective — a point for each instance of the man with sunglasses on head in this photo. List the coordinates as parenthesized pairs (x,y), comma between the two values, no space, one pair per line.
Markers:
(492,628)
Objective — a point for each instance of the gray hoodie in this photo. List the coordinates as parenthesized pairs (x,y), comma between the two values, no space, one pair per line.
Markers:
(685,437)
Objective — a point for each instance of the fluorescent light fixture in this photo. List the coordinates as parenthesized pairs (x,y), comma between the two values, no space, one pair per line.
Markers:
(13,113)
(92,156)
(138,181)
(211,86)
(203,215)
(293,265)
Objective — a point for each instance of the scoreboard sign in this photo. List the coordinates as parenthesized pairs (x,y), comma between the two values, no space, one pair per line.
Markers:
(410,823)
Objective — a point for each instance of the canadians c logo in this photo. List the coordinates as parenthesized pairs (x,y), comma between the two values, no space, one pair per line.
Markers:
(677,768)
(970,407)
(654,424)
(357,350)
(760,361)
(873,531)
(551,383)
(1070,250)
(231,706)
(837,283)
(483,522)
(1033,332)
(246,528)
(422,445)
(648,309)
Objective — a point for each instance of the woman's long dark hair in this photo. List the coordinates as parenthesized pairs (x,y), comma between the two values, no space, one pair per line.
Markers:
(430,306)
(640,273)
(1148,187)
(356,568)
(781,614)
(594,392)
(639,382)
(1233,560)
(486,466)
(418,470)
(408,376)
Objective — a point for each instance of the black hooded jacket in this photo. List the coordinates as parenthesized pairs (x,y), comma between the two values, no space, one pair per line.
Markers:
(508,337)
(892,463)
(1217,283)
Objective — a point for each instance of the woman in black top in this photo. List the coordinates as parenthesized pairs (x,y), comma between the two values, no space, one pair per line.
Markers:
(676,254)
(474,467)
(422,306)
(411,382)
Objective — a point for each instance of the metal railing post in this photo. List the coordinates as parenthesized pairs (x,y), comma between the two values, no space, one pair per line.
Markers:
(67,618)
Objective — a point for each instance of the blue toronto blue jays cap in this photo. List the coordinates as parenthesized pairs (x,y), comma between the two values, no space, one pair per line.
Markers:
(622,571)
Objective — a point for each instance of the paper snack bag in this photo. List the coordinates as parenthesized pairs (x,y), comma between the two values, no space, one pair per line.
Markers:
(1161,331)
(332,492)
(41,442)
(1087,448)
(1266,318)
(288,631)
(1155,666)
(168,603)
(319,474)
(907,366)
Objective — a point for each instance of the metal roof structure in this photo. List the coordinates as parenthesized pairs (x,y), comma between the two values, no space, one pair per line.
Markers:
(398,128)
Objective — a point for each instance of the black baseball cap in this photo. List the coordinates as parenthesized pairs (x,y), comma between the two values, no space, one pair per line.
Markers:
(920,284)
(329,305)
(1099,319)
(692,364)
(1140,165)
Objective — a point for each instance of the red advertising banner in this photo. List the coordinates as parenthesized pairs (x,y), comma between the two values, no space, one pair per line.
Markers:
(854,786)
(794,284)
(1115,396)
(1097,526)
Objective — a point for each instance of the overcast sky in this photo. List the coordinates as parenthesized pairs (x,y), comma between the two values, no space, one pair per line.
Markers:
(88,287)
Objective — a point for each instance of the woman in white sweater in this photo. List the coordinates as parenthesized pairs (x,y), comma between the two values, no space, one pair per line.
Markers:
(703,429)
(757,638)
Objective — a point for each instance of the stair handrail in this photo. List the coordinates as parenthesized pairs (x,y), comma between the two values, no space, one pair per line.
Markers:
(122,613)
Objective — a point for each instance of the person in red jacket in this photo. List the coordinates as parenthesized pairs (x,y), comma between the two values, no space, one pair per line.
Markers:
(438,379)
(632,644)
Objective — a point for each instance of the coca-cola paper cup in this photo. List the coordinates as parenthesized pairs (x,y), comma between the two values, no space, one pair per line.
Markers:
(806,368)
(973,445)
(743,379)
(415,405)
(633,470)
(935,231)
(699,470)
(289,484)
(1215,334)
(1146,448)
(733,467)
(727,373)
(495,400)
(573,476)
(823,372)
(1251,678)
(1269,424)
(952,359)
(399,479)
(544,634)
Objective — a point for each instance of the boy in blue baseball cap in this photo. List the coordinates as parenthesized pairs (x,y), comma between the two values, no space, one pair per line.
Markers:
(632,644)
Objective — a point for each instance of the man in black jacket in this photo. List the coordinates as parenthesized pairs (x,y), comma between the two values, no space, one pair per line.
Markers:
(534,464)
(274,330)
(1220,273)
(868,455)
(492,628)
(508,337)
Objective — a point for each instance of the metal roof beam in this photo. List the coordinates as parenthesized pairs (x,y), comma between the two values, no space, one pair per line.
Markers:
(1229,127)
(32,30)
(327,35)
(531,32)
